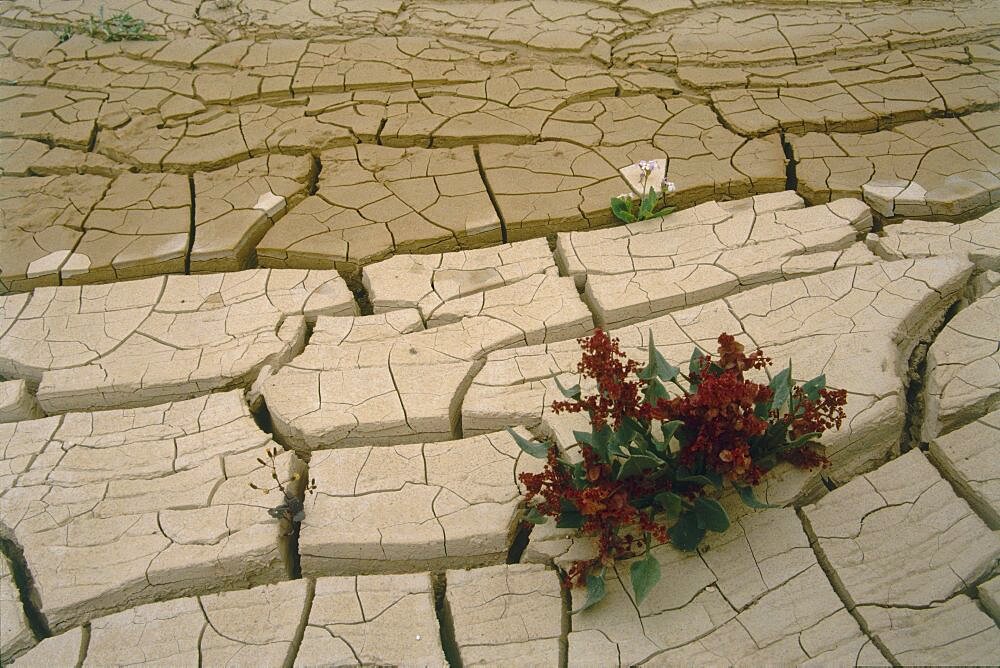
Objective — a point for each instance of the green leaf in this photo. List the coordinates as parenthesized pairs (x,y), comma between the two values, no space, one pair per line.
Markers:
(585,437)
(537,450)
(600,442)
(534,516)
(781,385)
(669,429)
(636,464)
(665,370)
(626,432)
(713,479)
(671,504)
(694,366)
(801,441)
(711,515)
(760,410)
(647,204)
(568,392)
(812,388)
(621,207)
(654,391)
(749,500)
(658,366)
(595,592)
(645,575)
(569,516)
(686,534)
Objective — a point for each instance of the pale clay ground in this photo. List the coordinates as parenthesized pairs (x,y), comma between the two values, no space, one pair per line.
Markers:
(369,232)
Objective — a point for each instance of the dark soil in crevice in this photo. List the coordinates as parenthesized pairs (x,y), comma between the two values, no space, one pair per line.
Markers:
(191,228)
(520,542)
(446,624)
(24,582)
(915,382)
(294,559)
(360,292)
(566,622)
(262,418)
(364,303)
(791,179)
(492,196)
(313,184)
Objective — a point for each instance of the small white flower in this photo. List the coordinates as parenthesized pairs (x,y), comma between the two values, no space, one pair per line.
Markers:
(668,186)
(646,166)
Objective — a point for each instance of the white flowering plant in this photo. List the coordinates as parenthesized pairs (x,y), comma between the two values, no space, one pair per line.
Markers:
(629,208)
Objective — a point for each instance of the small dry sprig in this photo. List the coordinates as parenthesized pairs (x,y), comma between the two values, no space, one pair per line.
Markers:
(291,508)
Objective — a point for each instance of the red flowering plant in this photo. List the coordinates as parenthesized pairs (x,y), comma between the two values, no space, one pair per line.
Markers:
(633,489)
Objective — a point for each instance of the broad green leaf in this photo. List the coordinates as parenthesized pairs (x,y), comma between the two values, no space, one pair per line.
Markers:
(568,392)
(636,464)
(585,437)
(683,438)
(569,516)
(645,575)
(801,441)
(595,592)
(664,211)
(657,366)
(537,450)
(760,410)
(711,515)
(665,370)
(694,366)
(776,433)
(626,432)
(812,388)
(671,504)
(669,429)
(600,443)
(686,534)
(702,479)
(781,385)
(749,500)
(622,208)
(649,371)
(647,204)
(654,391)
(535,517)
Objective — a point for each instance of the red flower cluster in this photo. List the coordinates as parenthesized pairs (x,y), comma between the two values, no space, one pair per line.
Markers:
(604,503)
(726,427)
(719,418)
(618,396)
(817,416)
